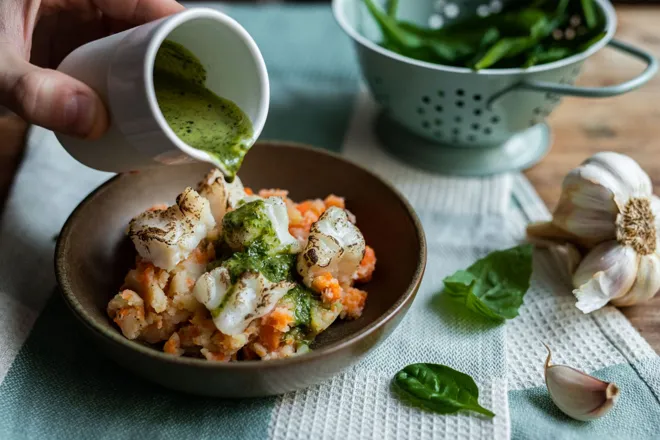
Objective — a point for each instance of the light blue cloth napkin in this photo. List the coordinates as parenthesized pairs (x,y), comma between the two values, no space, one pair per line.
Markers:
(53,384)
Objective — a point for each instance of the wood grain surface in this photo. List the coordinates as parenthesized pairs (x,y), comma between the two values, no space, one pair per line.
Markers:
(628,124)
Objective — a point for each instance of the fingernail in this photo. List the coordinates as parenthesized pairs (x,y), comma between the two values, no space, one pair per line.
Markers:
(84,115)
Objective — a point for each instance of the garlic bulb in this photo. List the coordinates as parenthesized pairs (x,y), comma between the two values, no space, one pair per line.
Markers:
(608,209)
(577,394)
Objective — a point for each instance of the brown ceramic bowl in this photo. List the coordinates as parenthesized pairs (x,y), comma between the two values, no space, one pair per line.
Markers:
(93,256)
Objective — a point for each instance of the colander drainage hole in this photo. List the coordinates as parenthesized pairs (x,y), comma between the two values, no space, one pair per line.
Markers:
(420,111)
(477,112)
(460,103)
(471,138)
(487,130)
(494,119)
(477,97)
(460,92)
(458,119)
(456,131)
(426,124)
(475,126)
(426,99)
(437,134)
(438,122)
(438,108)
(538,111)
(441,94)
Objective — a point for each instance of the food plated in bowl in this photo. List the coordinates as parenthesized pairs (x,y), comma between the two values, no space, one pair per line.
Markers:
(94,254)
(231,275)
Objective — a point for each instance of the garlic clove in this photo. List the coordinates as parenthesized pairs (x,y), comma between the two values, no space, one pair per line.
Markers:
(547,234)
(606,273)
(577,394)
(625,178)
(586,211)
(647,282)
(593,194)
(566,257)
(590,189)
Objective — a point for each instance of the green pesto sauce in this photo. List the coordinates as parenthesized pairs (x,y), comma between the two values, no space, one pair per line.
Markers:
(301,298)
(274,267)
(199,117)
(250,226)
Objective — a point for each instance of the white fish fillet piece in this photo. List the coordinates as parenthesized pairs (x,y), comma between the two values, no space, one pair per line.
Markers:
(167,237)
(221,195)
(235,306)
(335,245)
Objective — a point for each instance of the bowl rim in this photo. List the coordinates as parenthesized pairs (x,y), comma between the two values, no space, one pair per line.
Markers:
(402,303)
(604,5)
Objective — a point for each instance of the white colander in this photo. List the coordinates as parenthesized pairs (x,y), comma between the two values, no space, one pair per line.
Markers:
(458,108)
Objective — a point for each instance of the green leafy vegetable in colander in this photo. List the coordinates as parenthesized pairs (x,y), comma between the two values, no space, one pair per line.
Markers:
(539,32)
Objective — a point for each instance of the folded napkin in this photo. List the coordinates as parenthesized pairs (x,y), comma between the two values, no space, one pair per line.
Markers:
(54,385)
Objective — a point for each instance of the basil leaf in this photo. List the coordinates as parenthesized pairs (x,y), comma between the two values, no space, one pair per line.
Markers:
(495,285)
(438,388)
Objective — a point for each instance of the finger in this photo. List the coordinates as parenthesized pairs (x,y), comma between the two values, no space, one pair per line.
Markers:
(52,99)
(138,11)
(143,11)
(131,11)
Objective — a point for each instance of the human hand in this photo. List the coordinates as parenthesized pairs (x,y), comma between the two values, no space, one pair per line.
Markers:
(44,32)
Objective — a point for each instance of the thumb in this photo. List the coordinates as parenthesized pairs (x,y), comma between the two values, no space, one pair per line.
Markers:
(52,99)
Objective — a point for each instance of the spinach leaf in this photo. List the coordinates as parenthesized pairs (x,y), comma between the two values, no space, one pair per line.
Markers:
(505,48)
(518,36)
(392,6)
(547,55)
(561,8)
(438,388)
(495,285)
(589,13)
(590,42)
(392,32)
(454,47)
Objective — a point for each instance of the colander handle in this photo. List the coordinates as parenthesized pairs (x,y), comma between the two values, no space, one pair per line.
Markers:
(595,92)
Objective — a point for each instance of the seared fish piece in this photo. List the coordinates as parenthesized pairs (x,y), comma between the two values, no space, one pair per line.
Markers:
(166,237)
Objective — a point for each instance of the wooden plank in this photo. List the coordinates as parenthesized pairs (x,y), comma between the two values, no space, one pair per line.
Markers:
(628,124)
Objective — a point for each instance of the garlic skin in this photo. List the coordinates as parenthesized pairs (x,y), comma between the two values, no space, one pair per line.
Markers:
(607,208)
(577,394)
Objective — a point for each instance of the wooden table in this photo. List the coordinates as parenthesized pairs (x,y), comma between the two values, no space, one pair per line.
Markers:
(628,124)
